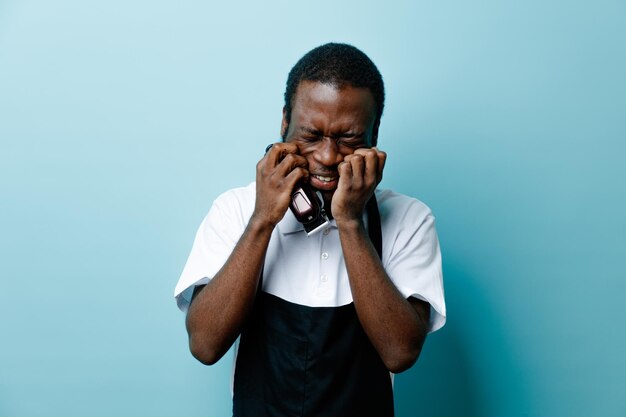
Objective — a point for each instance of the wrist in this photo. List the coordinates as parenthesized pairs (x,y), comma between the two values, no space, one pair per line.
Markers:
(350,223)
(260,224)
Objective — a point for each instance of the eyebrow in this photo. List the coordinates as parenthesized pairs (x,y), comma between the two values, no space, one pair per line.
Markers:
(311,131)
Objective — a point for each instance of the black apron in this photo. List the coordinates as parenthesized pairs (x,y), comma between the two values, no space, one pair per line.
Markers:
(295,360)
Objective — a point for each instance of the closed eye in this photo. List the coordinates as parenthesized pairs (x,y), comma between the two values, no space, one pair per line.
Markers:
(351,140)
(310,138)
(310,135)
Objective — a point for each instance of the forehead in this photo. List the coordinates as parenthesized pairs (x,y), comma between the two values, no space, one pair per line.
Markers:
(334,103)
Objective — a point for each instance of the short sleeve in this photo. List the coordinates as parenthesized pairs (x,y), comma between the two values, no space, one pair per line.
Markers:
(411,253)
(215,239)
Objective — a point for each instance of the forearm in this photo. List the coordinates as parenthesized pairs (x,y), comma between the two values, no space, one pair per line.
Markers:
(218,312)
(393,325)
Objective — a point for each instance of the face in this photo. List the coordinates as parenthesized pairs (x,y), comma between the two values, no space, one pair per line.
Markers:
(327,124)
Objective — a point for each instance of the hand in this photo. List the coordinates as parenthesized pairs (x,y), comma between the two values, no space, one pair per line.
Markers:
(359,174)
(276,176)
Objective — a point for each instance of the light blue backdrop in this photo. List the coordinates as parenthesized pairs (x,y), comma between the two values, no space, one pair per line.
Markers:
(121,121)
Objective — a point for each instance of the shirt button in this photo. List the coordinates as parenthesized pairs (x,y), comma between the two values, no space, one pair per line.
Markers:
(324,256)
(326,232)
(323,278)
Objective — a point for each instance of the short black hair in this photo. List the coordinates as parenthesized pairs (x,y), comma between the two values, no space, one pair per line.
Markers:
(340,65)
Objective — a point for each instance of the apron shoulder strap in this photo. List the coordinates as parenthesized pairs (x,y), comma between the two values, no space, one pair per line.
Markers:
(373,225)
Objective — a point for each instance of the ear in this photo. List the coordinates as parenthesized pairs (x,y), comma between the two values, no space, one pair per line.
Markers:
(284,126)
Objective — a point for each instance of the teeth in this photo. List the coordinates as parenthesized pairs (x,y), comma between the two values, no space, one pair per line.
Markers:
(325,179)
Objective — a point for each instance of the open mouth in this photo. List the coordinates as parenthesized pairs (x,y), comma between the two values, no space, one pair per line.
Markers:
(324,182)
(323,178)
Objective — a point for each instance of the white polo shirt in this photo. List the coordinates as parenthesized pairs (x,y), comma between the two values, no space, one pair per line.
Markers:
(310,270)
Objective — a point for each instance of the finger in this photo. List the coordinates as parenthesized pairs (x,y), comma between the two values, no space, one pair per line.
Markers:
(382,159)
(362,151)
(290,162)
(371,168)
(358,169)
(375,162)
(345,170)
(271,154)
(297,174)
(278,151)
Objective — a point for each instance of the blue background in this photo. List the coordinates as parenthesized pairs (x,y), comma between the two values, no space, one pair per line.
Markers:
(121,121)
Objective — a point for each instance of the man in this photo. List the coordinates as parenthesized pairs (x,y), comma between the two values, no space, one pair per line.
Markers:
(321,320)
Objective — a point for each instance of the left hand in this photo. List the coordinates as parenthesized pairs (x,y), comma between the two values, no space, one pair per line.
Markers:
(359,174)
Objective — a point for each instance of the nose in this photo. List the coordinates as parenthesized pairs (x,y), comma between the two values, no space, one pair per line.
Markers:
(327,152)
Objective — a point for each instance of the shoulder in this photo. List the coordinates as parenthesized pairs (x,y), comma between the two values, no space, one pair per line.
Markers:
(232,208)
(239,195)
(236,199)
(398,208)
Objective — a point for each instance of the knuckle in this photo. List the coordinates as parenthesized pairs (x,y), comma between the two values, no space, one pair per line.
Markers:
(354,159)
(279,148)
(370,154)
(261,167)
(367,153)
(289,158)
(288,148)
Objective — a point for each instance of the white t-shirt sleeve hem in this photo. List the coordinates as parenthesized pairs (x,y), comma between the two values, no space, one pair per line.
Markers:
(183,296)
(437,311)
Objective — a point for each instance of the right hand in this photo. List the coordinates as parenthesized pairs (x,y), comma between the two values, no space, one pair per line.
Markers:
(276,176)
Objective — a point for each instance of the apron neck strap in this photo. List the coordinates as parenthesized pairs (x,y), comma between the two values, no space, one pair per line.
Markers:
(373,225)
